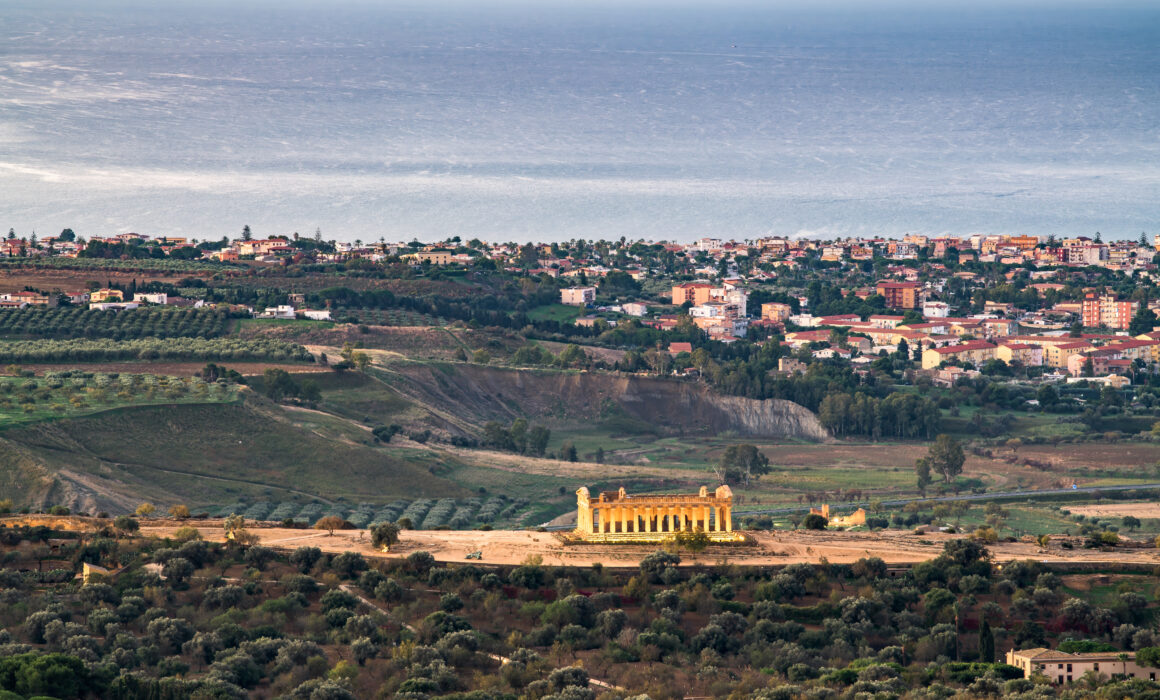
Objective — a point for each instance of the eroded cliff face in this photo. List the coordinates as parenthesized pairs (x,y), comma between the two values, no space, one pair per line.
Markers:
(460,397)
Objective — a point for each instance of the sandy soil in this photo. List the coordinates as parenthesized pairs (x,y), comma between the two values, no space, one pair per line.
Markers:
(1117,510)
(509,547)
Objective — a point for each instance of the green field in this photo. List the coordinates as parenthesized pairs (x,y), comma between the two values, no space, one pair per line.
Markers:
(203,454)
(555,312)
(29,400)
(282,323)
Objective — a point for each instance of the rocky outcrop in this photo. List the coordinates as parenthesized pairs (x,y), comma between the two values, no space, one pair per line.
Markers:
(462,397)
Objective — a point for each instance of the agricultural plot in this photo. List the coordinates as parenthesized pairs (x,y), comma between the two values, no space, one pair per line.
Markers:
(218,349)
(71,393)
(555,312)
(145,265)
(390,317)
(426,514)
(76,322)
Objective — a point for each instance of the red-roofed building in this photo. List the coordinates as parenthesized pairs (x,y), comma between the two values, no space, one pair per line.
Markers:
(1024,354)
(976,352)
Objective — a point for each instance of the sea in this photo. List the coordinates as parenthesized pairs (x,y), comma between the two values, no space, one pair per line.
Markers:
(554,120)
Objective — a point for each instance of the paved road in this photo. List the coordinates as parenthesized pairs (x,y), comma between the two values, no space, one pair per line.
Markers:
(1032,493)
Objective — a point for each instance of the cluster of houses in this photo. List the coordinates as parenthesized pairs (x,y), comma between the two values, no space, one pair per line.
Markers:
(103,299)
(1036,251)
(942,340)
(114,299)
(914,291)
(722,310)
(781,251)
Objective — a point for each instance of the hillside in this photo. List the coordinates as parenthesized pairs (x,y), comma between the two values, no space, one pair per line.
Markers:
(208,455)
(459,397)
(202,454)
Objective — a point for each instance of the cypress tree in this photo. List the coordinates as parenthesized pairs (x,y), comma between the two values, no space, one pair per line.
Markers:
(986,643)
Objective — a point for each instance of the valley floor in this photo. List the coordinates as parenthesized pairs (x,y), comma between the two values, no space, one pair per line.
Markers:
(777,548)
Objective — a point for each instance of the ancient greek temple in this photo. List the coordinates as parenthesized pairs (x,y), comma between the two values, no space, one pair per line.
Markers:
(615,516)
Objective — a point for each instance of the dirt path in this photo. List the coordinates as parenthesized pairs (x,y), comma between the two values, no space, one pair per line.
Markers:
(510,547)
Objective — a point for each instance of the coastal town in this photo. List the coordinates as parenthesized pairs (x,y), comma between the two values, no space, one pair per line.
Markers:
(1052,310)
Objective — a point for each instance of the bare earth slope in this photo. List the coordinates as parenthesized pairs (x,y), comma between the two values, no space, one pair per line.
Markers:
(465,394)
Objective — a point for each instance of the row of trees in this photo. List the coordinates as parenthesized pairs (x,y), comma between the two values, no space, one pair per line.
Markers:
(128,324)
(140,264)
(27,351)
(899,415)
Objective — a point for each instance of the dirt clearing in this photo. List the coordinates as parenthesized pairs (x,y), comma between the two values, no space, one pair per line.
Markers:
(1118,510)
(512,547)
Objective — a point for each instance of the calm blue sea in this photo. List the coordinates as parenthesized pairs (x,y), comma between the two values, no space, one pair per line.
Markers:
(553,120)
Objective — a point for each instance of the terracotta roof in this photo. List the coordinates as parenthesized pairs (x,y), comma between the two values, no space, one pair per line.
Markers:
(963,347)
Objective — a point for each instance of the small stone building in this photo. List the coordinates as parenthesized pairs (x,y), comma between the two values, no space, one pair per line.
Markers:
(1061,667)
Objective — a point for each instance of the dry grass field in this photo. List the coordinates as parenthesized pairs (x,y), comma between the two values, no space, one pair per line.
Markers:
(512,547)
(1118,510)
(68,280)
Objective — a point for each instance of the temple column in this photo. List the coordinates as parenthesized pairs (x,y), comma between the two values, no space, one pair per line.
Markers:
(728,518)
(648,519)
(623,519)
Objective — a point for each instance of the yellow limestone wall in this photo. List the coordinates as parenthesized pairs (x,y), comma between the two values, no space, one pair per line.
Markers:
(614,516)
